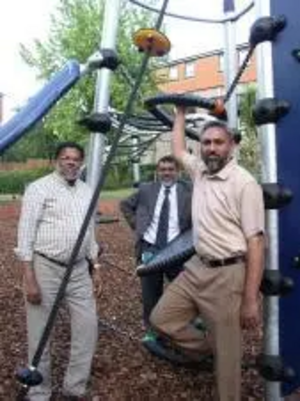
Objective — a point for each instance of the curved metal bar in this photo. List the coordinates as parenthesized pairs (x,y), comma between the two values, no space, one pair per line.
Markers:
(180,99)
(166,119)
(232,18)
(177,99)
(177,251)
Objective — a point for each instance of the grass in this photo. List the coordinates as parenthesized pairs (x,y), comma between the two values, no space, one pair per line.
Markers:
(5,198)
(116,194)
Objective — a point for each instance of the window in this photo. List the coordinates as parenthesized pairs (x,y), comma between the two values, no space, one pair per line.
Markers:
(173,73)
(190,70)
(221,63)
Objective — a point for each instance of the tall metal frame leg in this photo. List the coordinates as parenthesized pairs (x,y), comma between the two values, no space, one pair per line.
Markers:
(265,85)
(102,94)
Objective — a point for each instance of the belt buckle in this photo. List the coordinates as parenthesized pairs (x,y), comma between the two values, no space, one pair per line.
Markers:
(205,261)
(213,263)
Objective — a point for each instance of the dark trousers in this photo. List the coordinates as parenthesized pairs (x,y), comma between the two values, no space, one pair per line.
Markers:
(153,284)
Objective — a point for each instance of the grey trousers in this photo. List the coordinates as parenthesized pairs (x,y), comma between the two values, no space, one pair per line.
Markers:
(80,301)
(153,285)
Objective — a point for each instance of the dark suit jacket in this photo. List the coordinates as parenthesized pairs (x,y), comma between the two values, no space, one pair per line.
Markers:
(138,209)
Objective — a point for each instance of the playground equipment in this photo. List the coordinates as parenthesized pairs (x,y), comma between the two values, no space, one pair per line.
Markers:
(276,115)
(277,81)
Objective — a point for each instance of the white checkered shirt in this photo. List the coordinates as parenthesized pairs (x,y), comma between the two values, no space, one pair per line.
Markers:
(51,217)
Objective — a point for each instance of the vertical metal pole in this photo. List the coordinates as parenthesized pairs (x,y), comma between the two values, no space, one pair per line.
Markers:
(1,107)
(267,133)
(230,61)
(102,93)
(135,163)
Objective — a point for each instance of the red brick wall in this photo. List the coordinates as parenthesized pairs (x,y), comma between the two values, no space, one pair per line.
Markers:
(207,76)
(31,164)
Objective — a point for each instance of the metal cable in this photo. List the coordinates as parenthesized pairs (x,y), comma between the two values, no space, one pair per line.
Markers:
(232,18)
(90,212)
(239,74)
(126,74)
(143,147)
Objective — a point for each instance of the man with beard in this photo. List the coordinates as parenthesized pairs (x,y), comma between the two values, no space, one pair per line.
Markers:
(158,212)
(53,210)
(221,282)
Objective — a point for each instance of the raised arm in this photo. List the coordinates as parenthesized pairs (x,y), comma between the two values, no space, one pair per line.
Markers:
(178,134)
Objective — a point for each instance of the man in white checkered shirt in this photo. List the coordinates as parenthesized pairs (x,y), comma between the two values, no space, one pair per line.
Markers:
(53,210)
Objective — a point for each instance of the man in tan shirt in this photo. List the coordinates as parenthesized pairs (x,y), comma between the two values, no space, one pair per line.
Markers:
(221,282)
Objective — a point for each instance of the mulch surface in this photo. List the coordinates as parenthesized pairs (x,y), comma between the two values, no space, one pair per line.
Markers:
(122,369)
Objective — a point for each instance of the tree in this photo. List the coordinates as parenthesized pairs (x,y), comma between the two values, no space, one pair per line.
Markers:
(75,32)
(250,147)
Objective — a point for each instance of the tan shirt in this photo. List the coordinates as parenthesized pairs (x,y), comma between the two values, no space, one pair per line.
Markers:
(227,208)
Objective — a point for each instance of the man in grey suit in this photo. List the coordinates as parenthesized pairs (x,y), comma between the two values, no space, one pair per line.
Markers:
(158,212)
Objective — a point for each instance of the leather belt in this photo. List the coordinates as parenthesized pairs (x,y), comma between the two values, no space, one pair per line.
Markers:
(57,262)
(213,263)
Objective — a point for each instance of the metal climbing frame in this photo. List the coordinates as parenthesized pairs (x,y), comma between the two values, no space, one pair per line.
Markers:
(277,114)
(102,93)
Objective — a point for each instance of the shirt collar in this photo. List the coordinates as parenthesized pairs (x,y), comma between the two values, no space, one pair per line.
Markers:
(222,174)
(171,187)
(62,180)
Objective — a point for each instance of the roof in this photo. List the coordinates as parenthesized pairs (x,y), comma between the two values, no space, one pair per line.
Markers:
(211,53)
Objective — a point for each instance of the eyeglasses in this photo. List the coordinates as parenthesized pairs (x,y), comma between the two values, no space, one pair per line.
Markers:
(162,169)
(65,159)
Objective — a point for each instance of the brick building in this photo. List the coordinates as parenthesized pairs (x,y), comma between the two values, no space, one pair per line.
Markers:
(203,75)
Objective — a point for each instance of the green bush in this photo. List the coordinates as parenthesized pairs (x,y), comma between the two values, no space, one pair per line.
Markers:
(121,176)
(14,182)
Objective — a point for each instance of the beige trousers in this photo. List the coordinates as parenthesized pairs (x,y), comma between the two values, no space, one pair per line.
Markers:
(80,301)
(215,294)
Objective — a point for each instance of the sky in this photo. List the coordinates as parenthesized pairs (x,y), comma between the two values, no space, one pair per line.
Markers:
(24,21)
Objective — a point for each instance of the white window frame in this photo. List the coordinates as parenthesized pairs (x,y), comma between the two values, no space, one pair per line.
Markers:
(190,69)
(173,73)
(221,62)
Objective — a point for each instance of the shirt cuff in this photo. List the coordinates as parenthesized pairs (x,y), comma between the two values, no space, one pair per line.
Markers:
(23,256)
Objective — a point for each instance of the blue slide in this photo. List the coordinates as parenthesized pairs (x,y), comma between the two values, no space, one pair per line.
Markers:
(39,104)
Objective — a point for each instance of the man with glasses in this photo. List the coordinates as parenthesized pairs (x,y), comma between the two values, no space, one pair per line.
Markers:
(158,212)
(53,210)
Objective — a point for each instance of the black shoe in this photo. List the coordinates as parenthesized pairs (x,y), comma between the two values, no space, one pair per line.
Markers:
(158,348)
(76,398)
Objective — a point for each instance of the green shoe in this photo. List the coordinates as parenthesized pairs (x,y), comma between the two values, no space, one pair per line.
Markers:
(150,336)
(199,324)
